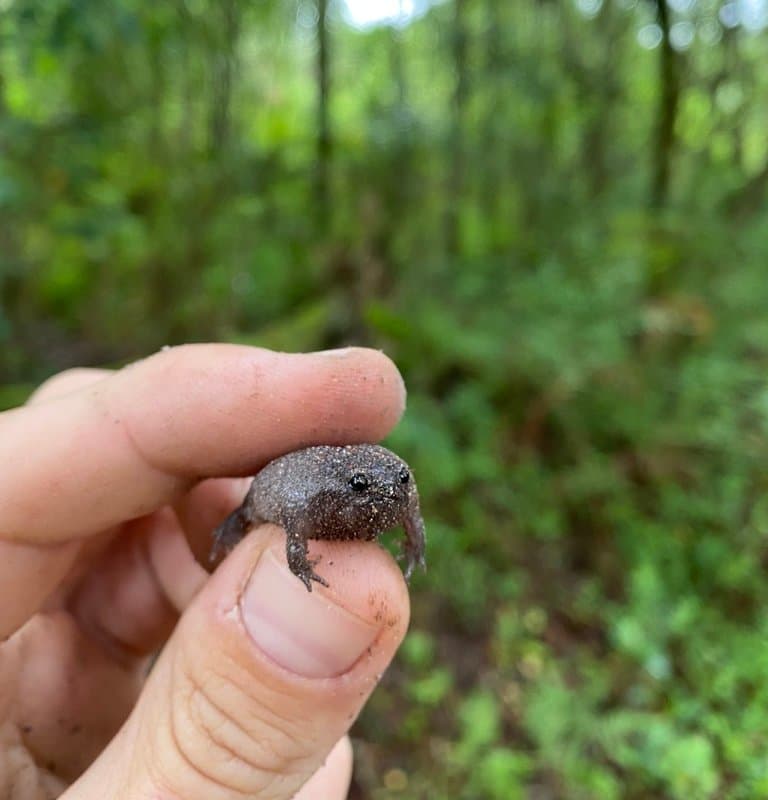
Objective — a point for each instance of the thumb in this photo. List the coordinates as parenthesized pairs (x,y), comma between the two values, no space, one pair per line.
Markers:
(260,679)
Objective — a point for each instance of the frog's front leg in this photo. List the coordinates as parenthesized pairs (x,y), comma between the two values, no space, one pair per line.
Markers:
(414,546)
(299,563)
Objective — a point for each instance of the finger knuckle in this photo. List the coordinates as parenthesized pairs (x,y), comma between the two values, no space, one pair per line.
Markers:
(245,743)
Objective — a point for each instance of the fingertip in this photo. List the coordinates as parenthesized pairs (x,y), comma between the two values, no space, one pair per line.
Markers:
(339,629)
(377,366)
(232,407)
(366,580)
(393,386)
(179,573)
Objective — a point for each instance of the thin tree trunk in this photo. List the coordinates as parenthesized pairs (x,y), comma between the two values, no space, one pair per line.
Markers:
(669,97)
(748,199)
(324,139)
(396,60)
(598,134)
(460,93)
(11,284)
(492,174)
(399,178)
(155,132)
(224,70)
(185,134)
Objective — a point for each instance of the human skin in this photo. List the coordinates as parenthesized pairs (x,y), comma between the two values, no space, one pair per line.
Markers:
(111,483)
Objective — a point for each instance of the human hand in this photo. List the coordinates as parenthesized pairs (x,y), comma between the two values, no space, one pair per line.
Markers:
(109,483)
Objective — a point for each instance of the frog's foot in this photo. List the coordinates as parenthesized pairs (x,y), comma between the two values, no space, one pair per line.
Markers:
(300,565)
(229,533)
(414,555)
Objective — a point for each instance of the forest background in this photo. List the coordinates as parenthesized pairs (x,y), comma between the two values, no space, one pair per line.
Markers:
(552,214)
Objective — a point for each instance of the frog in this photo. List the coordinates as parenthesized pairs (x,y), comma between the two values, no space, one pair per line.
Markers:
(334,492)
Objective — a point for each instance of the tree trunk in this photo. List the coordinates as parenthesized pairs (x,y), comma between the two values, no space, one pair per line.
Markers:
(224,69)
(607,93)
(669,96)
(396,62)
(324,140)
(749,198)
(185,133)
(490,134)
(399,177)
(457,157)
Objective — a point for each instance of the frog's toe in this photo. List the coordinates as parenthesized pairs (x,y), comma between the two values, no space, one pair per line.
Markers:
(306,574)
(310,575)
(306,580)
(413,558)
(318,579)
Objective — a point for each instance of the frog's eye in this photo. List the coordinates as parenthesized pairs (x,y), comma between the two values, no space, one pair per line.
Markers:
(359,482)
(404,476)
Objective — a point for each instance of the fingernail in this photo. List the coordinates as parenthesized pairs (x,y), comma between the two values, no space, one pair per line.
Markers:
(304,632)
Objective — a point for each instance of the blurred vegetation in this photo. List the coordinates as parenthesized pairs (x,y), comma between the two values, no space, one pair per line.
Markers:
(552,215)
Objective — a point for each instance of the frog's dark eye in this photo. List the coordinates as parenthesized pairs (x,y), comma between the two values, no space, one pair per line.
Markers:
(359,482)
(404,476)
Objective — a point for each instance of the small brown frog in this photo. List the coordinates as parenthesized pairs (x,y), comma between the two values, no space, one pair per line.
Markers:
(352,492)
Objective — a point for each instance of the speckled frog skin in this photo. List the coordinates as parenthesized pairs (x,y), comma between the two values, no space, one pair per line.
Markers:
(352,492)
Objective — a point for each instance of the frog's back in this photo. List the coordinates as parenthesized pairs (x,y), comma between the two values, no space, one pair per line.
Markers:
(286,487)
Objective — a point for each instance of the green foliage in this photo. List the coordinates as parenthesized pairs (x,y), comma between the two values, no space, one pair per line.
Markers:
(588,411)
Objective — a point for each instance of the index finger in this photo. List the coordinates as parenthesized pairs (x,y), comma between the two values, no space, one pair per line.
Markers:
(133,441)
